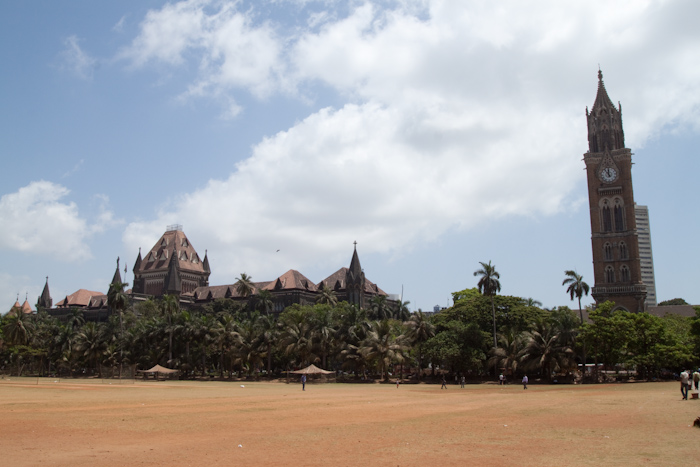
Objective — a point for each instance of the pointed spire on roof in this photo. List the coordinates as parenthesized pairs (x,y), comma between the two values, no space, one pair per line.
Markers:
(604,122)
(26,307)
(355,268)
(45,300)
(205,263)
(137,264)
(173,281)
(117,278)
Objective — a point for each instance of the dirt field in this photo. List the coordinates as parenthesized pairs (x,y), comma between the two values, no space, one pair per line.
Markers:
(68,422)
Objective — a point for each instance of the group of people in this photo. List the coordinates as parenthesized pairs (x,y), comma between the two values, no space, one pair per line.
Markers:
(502,380)
(688,381)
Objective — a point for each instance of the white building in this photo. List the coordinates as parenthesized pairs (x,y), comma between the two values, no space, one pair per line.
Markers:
(641,214)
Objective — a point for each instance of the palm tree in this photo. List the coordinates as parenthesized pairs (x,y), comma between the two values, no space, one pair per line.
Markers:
(379,308)
(420,329)
(531,302)
(226,337)
(244,286)
(545,351)
(327,296)
(117,302)
(576,287)
(18,328)
(402,311)
(269,332)
(169,307)
(90,344)
(264,301)
(489,285)
(323,332)
(382,347)
(508,353)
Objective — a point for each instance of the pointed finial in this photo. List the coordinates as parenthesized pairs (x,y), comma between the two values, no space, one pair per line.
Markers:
(355,243)
(117,262)
(600,74)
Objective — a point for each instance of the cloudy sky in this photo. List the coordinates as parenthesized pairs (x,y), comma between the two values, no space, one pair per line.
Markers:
(436,134)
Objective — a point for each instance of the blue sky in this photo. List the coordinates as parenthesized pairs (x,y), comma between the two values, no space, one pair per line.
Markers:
(435,134)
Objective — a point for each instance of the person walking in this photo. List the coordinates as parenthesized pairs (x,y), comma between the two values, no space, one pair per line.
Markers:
(501,379)
(525,381)
(462,381)
(303,382)
(684,384)
(444,383)
(696,379)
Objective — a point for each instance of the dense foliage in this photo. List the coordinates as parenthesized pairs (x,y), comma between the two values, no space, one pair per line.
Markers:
(225,339)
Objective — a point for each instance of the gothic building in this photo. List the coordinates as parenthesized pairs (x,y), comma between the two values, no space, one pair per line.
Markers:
(614,239)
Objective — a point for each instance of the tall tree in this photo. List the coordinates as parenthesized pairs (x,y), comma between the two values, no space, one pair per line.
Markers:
(420,329)
(170,307)
(244,286)
(327,296)
(264,301)
(576,288)
(382,347)
(489,285)
(118,302)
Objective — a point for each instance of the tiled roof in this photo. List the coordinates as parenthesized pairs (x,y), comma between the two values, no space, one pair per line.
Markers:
(80,298)
(290,280)
(213,292)
(26,307)
(336,281)
(157,259)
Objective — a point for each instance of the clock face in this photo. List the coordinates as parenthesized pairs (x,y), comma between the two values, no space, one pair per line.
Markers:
(608,174)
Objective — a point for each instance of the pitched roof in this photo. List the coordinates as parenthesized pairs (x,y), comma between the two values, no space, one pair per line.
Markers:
(26,307)
(290,280)
(212,292)
(681,310)
(158,258)
(79,298)
(602,99)
(336,281)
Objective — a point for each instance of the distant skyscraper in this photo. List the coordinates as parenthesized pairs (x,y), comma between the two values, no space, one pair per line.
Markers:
(646,259)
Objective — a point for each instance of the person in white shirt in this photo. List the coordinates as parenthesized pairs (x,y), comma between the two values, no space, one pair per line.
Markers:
(684,384)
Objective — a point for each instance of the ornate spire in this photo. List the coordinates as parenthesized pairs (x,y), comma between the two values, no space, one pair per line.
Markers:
(45,300)
(117,278)
(173,281)
(604,122)
(205,263)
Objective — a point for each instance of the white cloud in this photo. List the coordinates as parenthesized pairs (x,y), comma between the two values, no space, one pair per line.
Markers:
(75,60)
(34,219)
(456,115)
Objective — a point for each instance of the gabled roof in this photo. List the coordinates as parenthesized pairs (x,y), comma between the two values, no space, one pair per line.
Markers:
(158,258)
(79,298)
(291,280)
(212,292)
(336,281)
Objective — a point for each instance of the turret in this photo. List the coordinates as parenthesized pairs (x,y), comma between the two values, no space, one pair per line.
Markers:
(44,299)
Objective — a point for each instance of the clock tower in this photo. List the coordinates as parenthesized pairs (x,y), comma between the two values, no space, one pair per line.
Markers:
(616,263)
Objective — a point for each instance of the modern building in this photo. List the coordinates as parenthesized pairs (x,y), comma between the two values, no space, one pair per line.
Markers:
(614,238)
(646,258)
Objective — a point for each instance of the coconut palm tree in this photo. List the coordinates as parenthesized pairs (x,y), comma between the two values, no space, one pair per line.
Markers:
(169,307)
(379,308)
(90,344)
(268,334)
(264,301)
(118,302)
(18,328)
(327,296)
(225,338)
(544,350)
(323,331)
(507,354)
(489,285)
(576,287)
(244,286)
(383,348)
(402,311)
(420,329)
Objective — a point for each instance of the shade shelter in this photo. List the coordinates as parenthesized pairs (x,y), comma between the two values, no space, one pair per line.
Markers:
(158,370)
(310,370)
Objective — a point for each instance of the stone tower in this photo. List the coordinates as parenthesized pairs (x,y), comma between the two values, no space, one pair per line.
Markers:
(616,262)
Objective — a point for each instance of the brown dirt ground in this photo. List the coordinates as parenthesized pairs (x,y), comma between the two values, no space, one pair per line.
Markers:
(89,422)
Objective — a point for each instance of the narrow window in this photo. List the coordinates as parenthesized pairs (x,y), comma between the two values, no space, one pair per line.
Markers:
(619,216)
(625,273)
(608,252)
(609,275)
(623,250)
(607,218)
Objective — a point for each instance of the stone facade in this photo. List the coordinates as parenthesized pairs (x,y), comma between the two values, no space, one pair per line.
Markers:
(614,239)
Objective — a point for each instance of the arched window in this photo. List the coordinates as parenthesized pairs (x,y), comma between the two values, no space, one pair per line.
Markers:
(623,251)
(624,273)
(609,275)
(607,252)
(619,216)
(607,217)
